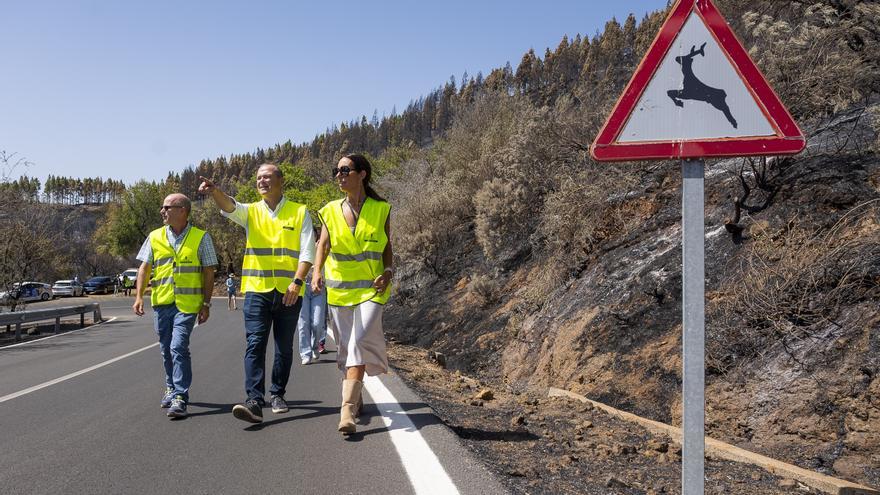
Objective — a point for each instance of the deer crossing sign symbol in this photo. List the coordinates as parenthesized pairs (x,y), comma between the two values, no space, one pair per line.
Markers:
(694,89)
(696,94)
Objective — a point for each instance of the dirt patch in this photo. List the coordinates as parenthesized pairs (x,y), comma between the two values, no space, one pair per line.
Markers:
(540,445)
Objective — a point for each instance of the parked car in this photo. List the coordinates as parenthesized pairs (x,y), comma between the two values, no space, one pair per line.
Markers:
(102,285)
(28,291)
(67,288)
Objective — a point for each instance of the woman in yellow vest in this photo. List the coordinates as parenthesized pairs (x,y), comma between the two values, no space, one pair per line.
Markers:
(355,242)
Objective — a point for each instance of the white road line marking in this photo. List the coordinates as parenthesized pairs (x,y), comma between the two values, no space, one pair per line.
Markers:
(422,466)
(73,375)
(58,334)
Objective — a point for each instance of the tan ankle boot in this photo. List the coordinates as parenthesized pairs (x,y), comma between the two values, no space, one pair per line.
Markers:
(351,392)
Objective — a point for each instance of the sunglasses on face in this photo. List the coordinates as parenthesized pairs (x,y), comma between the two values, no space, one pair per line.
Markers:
(343,171)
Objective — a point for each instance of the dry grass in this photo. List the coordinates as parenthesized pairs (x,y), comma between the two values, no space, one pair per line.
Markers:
(485,289)
(589,207)
(502,223)
(820,56)
(793,286)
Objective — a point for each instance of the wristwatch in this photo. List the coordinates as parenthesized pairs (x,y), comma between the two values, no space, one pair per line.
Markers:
(298,281)
(206,304)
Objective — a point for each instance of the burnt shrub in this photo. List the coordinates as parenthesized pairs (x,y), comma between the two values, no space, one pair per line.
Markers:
(793,288)
(501,226)
(484,289)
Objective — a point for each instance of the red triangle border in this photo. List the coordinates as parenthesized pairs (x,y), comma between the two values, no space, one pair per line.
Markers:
(788,140)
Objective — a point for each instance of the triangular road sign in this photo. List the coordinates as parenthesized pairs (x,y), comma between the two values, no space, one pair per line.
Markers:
(696,93)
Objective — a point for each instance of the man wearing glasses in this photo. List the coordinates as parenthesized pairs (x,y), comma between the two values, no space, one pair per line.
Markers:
(178,260)
(278,254)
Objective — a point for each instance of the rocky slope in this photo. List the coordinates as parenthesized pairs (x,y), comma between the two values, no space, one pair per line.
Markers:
(793,321)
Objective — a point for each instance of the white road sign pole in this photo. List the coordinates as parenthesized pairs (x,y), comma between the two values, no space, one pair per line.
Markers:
(693,239)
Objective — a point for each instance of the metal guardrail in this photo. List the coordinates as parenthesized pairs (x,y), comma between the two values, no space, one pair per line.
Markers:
(21,317)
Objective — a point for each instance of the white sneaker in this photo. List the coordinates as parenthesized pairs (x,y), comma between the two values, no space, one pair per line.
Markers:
(314,355)
(307,360)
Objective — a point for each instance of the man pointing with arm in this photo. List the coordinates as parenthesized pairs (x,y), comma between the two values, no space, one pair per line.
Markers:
(278,254)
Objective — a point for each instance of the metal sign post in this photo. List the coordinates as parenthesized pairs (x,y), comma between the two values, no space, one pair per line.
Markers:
(693,242)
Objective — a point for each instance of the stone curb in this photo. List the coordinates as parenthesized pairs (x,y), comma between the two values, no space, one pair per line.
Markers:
(721,450)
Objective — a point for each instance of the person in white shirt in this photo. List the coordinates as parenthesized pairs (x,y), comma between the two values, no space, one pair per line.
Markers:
(278,255)
(231,288)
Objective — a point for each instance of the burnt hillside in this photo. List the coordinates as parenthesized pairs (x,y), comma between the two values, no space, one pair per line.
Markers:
(529,265)
(793,324)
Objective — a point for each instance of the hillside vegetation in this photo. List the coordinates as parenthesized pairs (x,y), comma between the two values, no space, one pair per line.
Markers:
(530,265)
(526,263)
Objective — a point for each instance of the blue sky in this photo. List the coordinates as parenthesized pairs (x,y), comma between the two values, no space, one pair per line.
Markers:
(133,90)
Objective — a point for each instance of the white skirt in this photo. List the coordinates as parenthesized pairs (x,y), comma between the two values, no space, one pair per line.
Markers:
(360,341)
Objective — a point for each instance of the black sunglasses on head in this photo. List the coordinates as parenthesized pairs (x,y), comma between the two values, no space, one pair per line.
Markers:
(343,170)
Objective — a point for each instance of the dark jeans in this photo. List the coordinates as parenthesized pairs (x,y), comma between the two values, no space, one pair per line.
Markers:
(263,311)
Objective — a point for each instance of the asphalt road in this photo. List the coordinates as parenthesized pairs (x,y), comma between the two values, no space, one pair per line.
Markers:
(79,414)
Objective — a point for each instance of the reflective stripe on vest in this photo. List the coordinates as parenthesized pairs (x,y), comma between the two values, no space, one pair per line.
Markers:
(355,260)
(271,255)
(272,252)
(269,274)
(367,255)
(162,281)
(177,275)
(187,291)
(354,284)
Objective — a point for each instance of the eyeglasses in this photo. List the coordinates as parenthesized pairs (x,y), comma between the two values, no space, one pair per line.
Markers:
(168,207)
(343,171)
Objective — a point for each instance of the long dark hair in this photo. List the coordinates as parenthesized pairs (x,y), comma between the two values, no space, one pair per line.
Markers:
(361,163)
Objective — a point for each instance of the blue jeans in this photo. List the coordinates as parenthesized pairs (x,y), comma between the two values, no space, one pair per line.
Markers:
(263,311)
(312,323)
(174,329)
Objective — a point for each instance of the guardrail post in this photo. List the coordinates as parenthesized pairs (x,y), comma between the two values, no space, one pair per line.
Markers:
(20,318)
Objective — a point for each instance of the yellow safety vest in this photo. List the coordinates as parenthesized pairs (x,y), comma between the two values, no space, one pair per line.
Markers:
(271,255)
(355,260)
(177,275)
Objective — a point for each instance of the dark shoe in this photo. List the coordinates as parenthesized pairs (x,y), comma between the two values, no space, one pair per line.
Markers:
(165,403)
(279,405)
(251,411)
(321,349)
(178,407)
